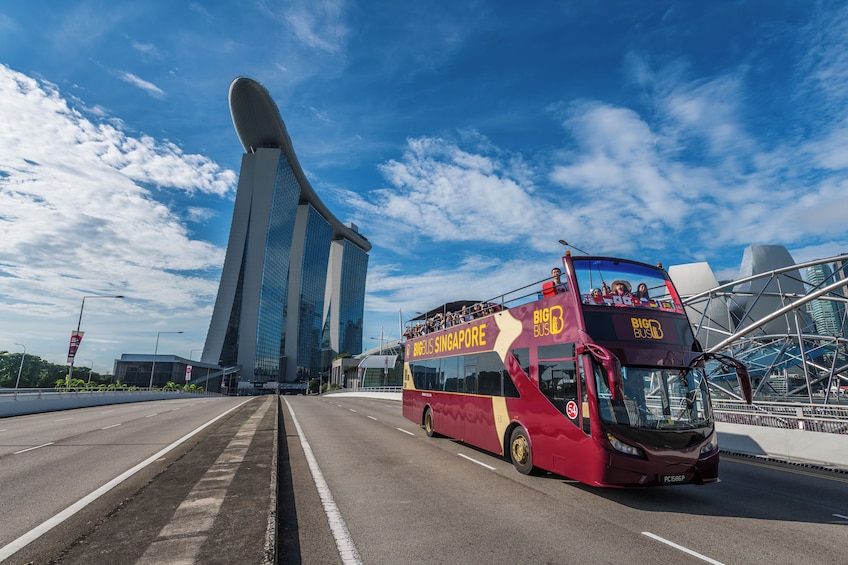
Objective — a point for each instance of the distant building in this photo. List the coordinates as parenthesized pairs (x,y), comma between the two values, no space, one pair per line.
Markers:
(827,311)
(292,292)
(758,298)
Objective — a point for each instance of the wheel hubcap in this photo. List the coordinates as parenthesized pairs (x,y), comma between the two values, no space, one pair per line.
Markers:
(520,449)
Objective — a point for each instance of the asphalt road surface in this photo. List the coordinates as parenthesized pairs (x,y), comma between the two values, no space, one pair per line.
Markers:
(358,483)
(407,498)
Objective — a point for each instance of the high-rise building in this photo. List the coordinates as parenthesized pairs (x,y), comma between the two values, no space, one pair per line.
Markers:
(292,292)
(826,310)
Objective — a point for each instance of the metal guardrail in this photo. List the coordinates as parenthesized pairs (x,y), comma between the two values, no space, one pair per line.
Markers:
(832,419)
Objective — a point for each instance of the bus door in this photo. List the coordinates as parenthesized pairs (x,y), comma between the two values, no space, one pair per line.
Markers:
(564,383)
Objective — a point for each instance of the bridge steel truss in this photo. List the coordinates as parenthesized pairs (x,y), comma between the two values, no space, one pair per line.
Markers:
(758,321)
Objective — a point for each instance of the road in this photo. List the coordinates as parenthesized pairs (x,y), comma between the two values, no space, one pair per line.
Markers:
(58,460)
(392,495)
(407,498)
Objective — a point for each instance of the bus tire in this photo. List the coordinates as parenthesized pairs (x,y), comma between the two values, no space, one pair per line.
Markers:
(519,451)
(429,428)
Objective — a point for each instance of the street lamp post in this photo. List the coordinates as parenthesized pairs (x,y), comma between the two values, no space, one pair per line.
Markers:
(79,323)
(155,351)
(90,369)
(565,243)
(21,367)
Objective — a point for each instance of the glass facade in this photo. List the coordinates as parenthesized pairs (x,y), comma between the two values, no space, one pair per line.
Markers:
(352,298)
(313,281)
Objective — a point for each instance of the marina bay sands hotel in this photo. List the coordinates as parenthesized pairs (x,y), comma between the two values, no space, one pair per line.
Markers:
(292,292)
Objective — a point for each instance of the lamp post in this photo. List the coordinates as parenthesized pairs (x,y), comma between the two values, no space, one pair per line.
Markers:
(17,382)
(79,323)
(155,351)
(565,243)
(90,369)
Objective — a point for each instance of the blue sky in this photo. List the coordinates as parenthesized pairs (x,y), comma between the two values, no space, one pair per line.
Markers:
(463,138)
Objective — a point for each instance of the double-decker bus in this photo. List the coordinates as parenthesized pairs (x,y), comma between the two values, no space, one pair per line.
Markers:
(588,379)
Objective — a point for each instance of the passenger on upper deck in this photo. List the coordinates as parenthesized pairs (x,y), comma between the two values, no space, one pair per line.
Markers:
(621,288)
(642,292)
(555,285)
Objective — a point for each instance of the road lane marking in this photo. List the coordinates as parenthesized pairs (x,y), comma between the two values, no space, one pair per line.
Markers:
(62,419)
(352,410)
(404,431)
(344,541)
(181,539)
(31,448)
(489,467)
(373,418)
(16,545)
(681,548)
(151,415)
(109,427)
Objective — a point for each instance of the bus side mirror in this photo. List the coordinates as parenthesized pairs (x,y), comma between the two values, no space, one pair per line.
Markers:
(744,382)
(741,372)
(611,365)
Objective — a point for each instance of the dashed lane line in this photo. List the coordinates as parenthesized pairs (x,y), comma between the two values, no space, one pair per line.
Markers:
(681,548)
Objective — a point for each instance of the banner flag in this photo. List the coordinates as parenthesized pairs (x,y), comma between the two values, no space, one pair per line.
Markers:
(76,338)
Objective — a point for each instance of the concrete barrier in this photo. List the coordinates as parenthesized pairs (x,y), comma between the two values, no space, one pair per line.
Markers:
(794,446)
(34,402)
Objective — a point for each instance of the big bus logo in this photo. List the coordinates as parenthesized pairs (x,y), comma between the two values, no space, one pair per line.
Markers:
(547,321)
(646,328)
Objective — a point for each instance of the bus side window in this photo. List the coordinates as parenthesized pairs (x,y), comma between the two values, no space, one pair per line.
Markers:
(489,367)
(451,381)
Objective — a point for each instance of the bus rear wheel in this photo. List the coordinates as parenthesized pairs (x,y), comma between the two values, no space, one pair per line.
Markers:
(520,453)
(428,423)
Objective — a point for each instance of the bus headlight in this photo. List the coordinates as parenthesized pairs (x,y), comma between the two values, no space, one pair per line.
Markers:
(624,447)
(711,445)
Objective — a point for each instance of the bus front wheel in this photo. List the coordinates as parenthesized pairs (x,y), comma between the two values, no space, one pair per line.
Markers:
(428,423)
(519,450)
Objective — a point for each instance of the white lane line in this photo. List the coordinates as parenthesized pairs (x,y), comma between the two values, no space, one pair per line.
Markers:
(151,415)
(62,419)
(31,448)
(373,418)
(41,529)
(841,516)
(681,548)
(489,467)
(352,410)
(181,539)
(110,427)
(404,431)
(344,542)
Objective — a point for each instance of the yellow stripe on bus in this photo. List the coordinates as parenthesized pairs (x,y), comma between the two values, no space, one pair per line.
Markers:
(501,417)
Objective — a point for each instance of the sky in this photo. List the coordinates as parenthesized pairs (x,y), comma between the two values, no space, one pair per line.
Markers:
(464,139)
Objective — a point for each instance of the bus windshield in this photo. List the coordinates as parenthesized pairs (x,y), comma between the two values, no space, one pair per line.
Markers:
(656,398)
(615,282)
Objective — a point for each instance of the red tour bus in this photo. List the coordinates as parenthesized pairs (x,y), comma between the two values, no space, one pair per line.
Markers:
(594,380)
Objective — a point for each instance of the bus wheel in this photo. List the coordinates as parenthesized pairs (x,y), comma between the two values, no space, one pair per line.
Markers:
(428,423)
(519,450)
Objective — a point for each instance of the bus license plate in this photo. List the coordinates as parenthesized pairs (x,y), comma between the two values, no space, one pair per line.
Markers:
(673,479)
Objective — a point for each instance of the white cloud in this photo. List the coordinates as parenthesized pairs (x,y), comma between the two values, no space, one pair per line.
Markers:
(76,219)
(148,87)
